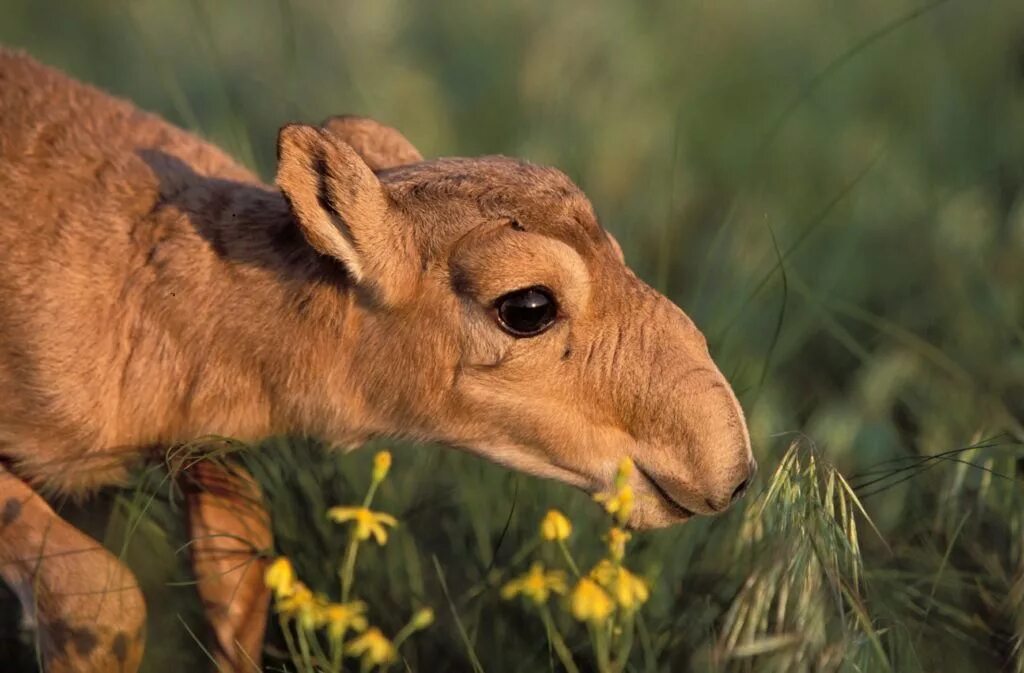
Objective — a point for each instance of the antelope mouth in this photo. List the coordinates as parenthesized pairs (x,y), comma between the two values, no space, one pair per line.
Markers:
(673,504)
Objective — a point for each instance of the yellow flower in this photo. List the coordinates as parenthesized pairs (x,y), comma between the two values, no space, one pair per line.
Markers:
(296,603)
(603,573)
(537,584)
(340,617)
(373,647)
(630,591)
(280,576)
(311,615)
(555,526)
(381,465)
(589,602)
(302,606)
(367,521)
(617,539)
(618,504)
(423,618)
(624,472)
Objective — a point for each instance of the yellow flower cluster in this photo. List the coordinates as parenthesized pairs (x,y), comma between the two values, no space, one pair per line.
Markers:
(297,606)
(609,586)
(294,600)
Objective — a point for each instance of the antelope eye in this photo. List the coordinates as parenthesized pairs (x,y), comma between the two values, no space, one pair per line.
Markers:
(528,312)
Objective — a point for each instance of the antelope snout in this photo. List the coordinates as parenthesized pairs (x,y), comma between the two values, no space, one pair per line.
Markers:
(715,493)
(677,495)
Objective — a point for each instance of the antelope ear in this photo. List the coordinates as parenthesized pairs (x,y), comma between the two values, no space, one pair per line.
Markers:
(342,208)
(379,145)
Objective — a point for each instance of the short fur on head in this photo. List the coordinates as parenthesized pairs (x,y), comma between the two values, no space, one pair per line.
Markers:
(622,372)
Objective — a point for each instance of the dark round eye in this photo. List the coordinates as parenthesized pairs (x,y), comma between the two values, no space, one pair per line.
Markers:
(528,312)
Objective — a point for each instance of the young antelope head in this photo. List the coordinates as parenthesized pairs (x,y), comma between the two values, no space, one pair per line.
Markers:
(494,314)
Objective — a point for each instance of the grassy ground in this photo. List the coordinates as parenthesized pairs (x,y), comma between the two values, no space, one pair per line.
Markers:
(833,191)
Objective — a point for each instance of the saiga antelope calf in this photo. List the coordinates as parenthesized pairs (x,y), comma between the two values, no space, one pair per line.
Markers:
(153,291)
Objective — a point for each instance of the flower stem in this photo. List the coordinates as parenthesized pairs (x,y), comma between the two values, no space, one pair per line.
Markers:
(337,649)
(289,641)
(646,646)
(320,657)
(555,638)
(304,649)
(568,558)
(599,637)
(402,635)
(349,568)
(370,493)
(625,644)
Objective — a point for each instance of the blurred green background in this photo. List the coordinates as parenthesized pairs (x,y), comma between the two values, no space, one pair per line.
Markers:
(833,191)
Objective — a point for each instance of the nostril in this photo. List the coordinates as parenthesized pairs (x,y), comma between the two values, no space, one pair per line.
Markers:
(740,490)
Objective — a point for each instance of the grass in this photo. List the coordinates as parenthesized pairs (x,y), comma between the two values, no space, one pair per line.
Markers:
(832,192)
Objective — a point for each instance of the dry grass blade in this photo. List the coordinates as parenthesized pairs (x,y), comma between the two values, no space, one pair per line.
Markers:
(792,611)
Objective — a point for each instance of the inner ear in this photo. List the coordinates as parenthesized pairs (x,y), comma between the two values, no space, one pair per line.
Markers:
(379,145)
(343,209)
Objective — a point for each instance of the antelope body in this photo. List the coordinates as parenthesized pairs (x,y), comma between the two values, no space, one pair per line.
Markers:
(153,291)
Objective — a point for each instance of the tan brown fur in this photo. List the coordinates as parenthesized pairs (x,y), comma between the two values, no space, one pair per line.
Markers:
(152,291)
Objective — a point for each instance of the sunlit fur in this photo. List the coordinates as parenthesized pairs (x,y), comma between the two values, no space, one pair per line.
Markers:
(153,291)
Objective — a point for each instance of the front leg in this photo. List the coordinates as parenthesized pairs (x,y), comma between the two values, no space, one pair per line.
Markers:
(90,613)
(230,530)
